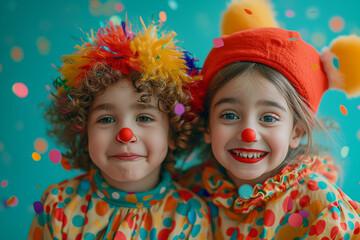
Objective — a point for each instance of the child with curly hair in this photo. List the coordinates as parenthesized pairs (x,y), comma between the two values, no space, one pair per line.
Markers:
(121,111)
(261,91)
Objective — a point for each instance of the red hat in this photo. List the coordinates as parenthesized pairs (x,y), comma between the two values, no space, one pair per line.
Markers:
(280,49)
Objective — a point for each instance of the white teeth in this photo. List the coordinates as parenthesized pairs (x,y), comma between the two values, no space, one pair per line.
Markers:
(248,154)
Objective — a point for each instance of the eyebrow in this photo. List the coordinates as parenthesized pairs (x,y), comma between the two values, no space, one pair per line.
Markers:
(270,104)
(261,102)
(109,106)
(227,100)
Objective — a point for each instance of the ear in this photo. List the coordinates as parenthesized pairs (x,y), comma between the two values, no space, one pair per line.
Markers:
(207,135)
(296,135)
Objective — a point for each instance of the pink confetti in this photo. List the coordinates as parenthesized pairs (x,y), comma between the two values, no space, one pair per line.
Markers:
(4,183)
(295,220)
(55,155)
(290,13)
(179,109)
(218,42)
(119,7)
(20,90)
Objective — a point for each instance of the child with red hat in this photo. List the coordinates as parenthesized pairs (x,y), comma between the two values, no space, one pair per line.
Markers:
(261,91)
(121,109)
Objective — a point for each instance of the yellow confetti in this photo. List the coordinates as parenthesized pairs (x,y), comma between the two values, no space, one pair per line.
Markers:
(343,110)
(315,67)
(36,156)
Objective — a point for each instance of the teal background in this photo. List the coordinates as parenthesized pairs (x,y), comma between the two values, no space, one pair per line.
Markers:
(196,22)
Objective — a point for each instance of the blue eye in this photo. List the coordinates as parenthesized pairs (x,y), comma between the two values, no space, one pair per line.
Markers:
(144,119)
(269,118)
(229,116)
(106,120)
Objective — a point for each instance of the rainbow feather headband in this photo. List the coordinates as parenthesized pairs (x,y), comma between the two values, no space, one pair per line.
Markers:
(148,52)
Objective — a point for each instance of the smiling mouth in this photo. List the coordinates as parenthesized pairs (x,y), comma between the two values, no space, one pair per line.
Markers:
(247,155)
(126,158)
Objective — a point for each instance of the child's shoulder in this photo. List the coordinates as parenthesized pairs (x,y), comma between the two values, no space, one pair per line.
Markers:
(186,196)
(67,189)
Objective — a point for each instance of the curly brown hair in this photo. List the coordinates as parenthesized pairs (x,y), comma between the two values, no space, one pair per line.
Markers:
(68,112)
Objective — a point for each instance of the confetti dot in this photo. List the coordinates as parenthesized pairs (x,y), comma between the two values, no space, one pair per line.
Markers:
(19,125)
(318,39)
(38,207)
(12,202)
(36,156)
(115,195)
(40,145)
(4,183)
(37,186)
(20,90)
(119,7)
(304,213)
(191,217)
(343,110)
(218,42)
(47,87)
(312,12)
(245,191)
(344,151)
(162,16)
(55,155)
(295,220)
(336,24)
(17,54)
(179,109)
(248,11)
(335,62)
(43,45)
(66,164)
(116,20)
(289,13)
(173,4)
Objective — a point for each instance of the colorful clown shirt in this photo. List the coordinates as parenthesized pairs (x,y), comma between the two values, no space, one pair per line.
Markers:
(86,207)
(298,203)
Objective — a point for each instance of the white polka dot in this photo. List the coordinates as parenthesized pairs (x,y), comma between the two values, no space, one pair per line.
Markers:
(162,190)
(100,194)
(115,195)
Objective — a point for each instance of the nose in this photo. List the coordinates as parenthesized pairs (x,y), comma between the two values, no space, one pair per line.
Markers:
(125,135)
(248,135)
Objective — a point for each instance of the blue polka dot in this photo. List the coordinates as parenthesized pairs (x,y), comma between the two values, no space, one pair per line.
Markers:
(192,217)
(55,238)
(78,221)
(89,236)
(143,233)
(182,209)
(330,196)
(153,234)
(229,201)
(67,200)
(51,229)
(263,234)
(322,185)
(167,222)
(133,234)
(351,215)
(175,238)
(305,222)
(259,209)
(351,225)
(176,195)
(69,190)
(182,235)
(194,204)
(214,211)
(285,219)
(195,230)
(234,235)
(60,205)
(54,191)
(83,188)
(186,225)
(302,181)
(260,222)
(41,218)
(245,191)
(347,236)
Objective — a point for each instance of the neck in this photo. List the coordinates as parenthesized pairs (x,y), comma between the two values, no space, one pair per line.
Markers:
(145,184)
(252,182)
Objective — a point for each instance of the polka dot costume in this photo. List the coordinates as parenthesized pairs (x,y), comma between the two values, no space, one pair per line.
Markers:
(299,202)
(86,207)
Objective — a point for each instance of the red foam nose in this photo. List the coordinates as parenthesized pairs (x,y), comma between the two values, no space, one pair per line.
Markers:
(126,134)
(248,135)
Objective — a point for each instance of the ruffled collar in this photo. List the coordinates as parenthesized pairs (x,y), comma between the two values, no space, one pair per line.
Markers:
(224,192)
(124,199)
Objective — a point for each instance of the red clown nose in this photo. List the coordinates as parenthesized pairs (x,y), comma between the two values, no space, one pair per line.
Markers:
(125,135)
(248,135)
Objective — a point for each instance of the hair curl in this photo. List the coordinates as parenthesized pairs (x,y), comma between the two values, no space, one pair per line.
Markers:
(68,112)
